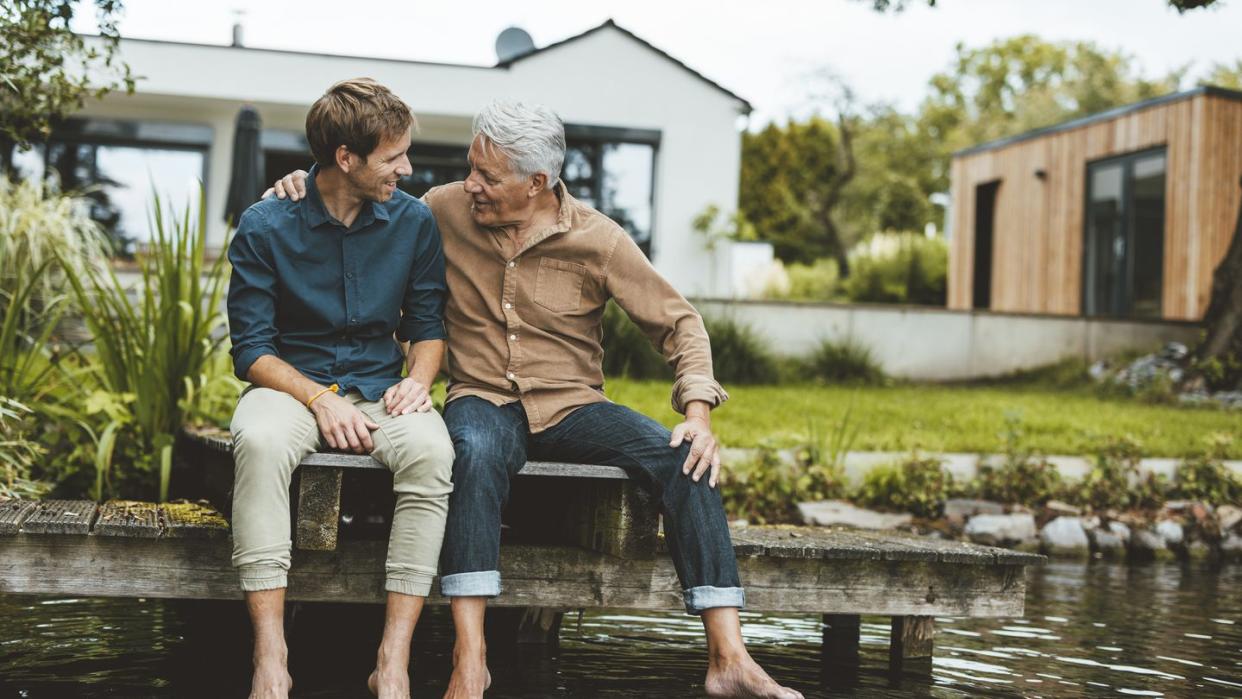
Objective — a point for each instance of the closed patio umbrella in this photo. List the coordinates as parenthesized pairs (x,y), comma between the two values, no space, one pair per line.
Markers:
(245,186)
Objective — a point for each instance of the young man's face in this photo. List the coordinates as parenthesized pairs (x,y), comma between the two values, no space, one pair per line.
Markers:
(376,179)
(498,195)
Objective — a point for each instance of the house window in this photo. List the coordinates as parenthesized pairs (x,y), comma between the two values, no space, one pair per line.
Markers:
(433,163)
(119,166)
(613,170)
(1123,258)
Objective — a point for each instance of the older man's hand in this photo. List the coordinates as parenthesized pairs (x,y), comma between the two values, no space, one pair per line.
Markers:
(704,449)
(407,396)
(292,186)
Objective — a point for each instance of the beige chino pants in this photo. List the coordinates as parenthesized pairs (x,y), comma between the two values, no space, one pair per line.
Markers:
(273,431)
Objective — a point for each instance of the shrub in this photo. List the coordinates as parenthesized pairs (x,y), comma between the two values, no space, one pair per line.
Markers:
(899,268)
(739,354)
(1024,477)
(817,281)
(845,361)
(18,453)
(627,351)
(1205,476)
(768,488)
(918,485)
(1114,482)
(151,353)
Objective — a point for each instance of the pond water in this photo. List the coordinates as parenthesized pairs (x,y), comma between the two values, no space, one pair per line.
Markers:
(1090,629)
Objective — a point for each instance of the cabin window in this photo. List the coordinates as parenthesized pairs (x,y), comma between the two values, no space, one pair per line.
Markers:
(1123,256)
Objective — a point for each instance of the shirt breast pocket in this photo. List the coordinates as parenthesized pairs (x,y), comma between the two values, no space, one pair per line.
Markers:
(558,285)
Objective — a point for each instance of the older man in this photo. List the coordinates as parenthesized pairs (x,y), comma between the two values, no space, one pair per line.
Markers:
(319,289)
(530,270)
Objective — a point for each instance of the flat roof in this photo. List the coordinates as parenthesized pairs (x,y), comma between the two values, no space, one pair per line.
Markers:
(1102,116)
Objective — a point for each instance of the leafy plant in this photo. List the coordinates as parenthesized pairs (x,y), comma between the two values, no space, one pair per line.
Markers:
(17,453)
(715,227)
(1024,477)
(845,361)
(1114,482)
(739,354)
(1205,476)
(899,268)
(26,354)
(157,348)
(817,281)
(918,485)
(768,488)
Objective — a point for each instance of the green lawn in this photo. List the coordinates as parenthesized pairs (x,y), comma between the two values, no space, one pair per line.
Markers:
(944,418)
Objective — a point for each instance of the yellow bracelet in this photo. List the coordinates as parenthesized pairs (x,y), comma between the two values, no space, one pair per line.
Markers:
(334,388)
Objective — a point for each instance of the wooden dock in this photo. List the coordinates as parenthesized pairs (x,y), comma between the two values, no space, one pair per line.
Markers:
(137,549)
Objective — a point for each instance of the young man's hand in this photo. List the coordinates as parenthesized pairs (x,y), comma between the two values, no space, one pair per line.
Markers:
(408,396)
(343,425)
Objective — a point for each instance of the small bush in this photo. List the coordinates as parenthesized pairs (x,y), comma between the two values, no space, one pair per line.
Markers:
(1114,481)
(768,488)
(918,485)
(1024,477)
(18,453)
(846,361)
(627,351)
(739,354)
(818,281)
(899,268)
(1205,477)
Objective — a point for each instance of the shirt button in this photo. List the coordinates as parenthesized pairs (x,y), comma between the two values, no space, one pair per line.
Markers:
(508,305)
(513,337)
(349,275)
(512,263)
(511,376)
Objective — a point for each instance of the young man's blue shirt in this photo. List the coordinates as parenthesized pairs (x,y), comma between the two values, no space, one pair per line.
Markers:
(329,299)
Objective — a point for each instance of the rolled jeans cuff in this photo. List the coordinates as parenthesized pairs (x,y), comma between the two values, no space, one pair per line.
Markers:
(260,578)
(482,583)
(416,585)
(708,597)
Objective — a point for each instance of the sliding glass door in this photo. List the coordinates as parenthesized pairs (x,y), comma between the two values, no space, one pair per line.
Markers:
(1123,252)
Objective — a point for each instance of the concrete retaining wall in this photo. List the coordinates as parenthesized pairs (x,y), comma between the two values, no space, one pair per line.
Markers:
(934,344)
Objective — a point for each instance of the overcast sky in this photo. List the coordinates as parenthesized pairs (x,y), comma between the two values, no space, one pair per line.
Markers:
(762,51)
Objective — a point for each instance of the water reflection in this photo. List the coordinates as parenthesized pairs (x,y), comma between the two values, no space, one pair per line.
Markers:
(1102,630)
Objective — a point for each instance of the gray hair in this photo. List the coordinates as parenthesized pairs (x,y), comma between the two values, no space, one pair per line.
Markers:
(530,135)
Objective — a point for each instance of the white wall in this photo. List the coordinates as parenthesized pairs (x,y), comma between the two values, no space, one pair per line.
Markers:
(604,79)
(940,345)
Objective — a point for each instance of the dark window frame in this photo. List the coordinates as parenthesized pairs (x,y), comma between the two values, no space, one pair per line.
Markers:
(599,136)
(1126,298)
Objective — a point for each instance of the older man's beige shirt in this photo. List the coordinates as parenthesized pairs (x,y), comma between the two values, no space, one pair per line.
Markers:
(526,326)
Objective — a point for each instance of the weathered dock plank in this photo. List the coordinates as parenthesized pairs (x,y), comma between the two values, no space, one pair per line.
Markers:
(191,520)
(61,517)
(128,518)
(13,513)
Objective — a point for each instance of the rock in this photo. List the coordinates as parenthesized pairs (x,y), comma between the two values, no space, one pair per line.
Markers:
(1175,351)
(1064,536)
(1228,516)
(841,513)
(1107,543)
(1001,529)
(1090,522)
(1147,545)
(1119,530)
(958,510)
(1098,370)
(1171,532)
(1231,548)
(1058,508)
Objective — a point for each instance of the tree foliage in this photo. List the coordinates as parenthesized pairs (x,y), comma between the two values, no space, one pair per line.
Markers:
(48,71)
(899,5)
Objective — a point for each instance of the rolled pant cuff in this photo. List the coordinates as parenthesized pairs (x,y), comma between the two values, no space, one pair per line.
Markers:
(708,597)
(265,578)
(482,583)
(417,586)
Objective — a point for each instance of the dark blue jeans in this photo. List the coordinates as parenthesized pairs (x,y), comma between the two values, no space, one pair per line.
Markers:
(494,442)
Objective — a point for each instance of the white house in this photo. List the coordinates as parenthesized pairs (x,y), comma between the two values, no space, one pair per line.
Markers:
(651,141)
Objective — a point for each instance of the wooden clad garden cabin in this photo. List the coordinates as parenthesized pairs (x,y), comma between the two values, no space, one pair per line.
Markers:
(1122,214)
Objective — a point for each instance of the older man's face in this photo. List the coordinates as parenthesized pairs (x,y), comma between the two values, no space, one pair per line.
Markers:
(499,196)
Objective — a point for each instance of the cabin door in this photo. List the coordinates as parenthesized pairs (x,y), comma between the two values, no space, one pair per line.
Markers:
(1123,256)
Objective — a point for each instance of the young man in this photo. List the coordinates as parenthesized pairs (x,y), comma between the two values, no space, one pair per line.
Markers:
(319,289)
(529,271)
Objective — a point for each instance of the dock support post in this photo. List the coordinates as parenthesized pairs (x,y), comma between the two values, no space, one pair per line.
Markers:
(912,640)
(319,507)
(524,625)
(841,637)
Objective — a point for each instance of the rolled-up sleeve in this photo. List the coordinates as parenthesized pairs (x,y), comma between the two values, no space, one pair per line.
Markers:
(668,320)
(422,309)
(252,293)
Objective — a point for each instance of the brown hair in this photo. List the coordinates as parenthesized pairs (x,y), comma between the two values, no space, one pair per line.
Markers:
(357,114)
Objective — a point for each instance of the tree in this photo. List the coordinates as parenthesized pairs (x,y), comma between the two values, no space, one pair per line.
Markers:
(47,71)
(1223,75)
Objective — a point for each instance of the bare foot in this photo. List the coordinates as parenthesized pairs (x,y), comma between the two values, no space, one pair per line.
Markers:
(271,678)
(744,679)
(389,683)
(470,677)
